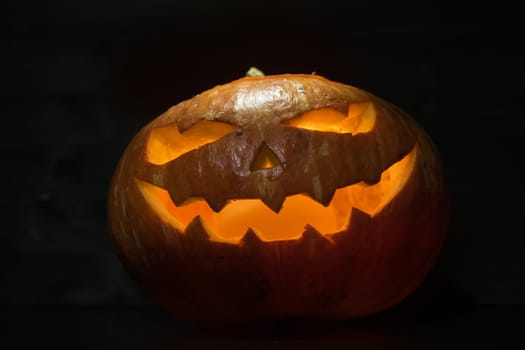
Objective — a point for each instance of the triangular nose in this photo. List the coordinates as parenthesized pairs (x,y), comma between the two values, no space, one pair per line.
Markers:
(265,158)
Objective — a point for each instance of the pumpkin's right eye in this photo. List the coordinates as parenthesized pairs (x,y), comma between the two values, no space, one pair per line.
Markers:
(360,119)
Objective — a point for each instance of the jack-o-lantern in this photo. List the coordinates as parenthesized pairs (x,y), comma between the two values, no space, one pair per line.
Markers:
(279,196)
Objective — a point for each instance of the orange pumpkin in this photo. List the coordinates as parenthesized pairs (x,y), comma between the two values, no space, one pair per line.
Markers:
(279,196)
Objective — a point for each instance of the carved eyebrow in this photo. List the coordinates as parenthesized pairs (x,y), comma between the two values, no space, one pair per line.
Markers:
(167,143)
(360,119)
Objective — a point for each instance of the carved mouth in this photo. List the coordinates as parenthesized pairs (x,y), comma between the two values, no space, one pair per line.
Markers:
(298,211)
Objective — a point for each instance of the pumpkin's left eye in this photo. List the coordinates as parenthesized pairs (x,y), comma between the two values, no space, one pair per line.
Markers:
(360,119)
(168,143)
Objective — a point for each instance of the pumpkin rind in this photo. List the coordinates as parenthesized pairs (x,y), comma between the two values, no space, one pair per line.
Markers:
(364,269)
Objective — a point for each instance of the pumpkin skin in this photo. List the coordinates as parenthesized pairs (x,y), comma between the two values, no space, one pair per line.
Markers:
(371,261)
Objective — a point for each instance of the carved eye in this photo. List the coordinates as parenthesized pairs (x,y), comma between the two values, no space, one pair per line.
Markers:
(360,119)
(168,143)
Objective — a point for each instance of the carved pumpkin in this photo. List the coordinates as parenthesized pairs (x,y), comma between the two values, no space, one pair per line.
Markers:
(279,196)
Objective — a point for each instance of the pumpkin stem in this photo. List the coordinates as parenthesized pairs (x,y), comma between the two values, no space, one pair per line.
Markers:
(254,72)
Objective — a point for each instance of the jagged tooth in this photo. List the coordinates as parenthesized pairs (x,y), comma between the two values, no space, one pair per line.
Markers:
(324,197)
(196,230)
(216,204)
(358,218)
(359,223)
(327,197)
(311,234)
(250,238)
(373,179)
(177,197)
(152,173)
(275,203)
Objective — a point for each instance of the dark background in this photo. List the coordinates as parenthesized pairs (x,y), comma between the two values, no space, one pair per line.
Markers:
(79,78)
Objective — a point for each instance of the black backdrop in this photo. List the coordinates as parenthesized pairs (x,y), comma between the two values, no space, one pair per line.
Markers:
(80,78)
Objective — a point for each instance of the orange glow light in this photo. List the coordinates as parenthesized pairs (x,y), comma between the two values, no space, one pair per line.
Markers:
(232,222)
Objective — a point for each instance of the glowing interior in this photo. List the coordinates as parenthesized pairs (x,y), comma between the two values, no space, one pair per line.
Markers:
(360,118)
(299,210)
(167,143)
